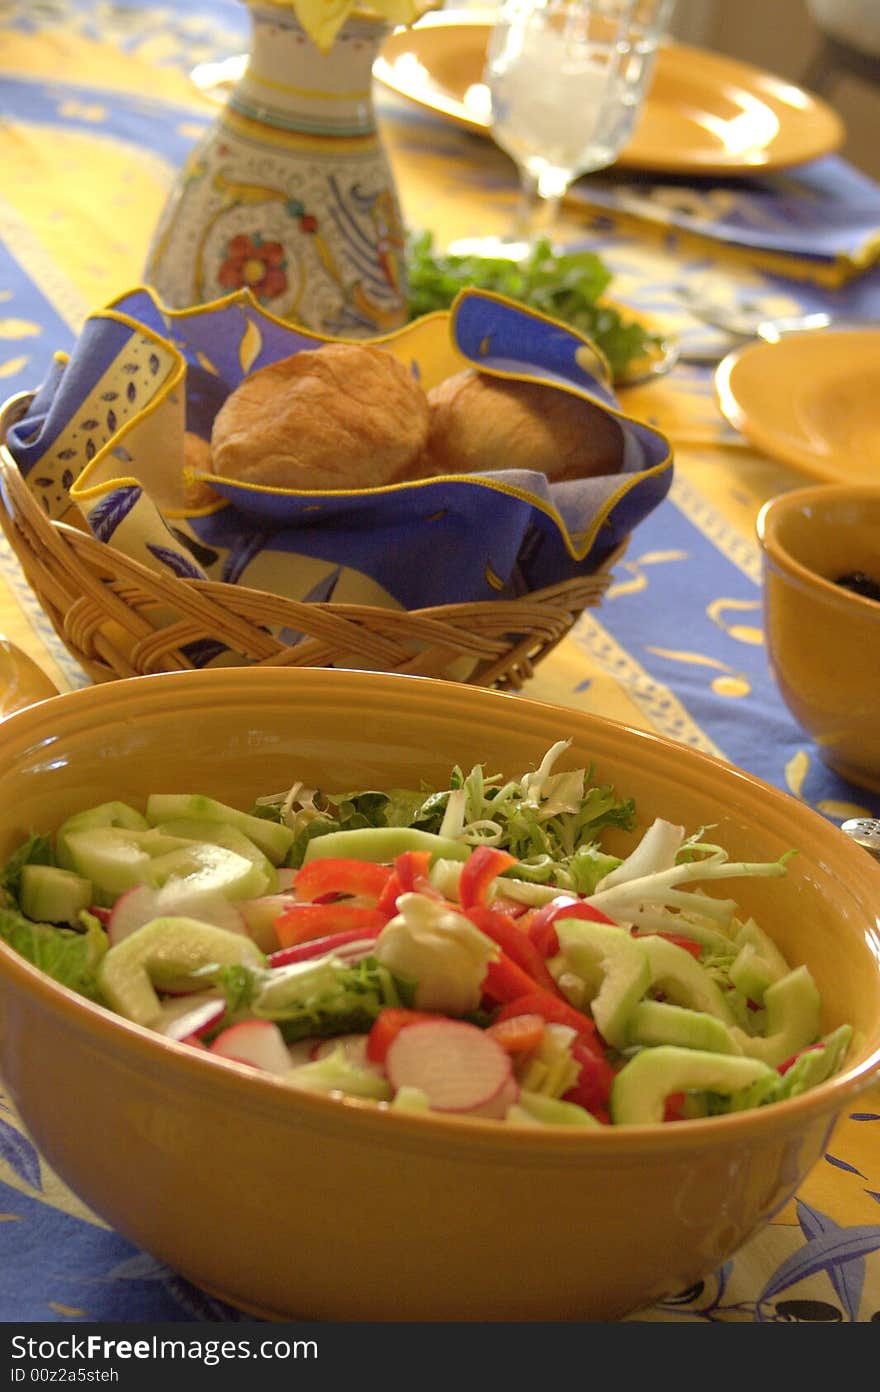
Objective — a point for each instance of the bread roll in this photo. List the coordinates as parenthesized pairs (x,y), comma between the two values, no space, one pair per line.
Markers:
(481,423)
(197,455)
(342,416)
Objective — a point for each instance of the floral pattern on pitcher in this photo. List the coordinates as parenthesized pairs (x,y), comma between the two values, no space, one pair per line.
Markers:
(289,193)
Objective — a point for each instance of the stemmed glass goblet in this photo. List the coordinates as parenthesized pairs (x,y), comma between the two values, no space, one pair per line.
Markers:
(568,80)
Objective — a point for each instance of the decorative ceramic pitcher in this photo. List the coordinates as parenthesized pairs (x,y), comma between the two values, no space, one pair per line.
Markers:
(290,192)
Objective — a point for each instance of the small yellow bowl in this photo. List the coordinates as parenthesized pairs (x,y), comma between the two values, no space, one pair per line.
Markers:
(823,640)
(291,1204)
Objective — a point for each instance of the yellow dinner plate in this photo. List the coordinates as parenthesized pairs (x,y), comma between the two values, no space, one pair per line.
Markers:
(704,113)
(812,400)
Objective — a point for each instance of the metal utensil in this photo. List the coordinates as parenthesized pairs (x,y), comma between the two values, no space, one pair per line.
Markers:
(746,321)
(740,323)
(655,364)
(865,831)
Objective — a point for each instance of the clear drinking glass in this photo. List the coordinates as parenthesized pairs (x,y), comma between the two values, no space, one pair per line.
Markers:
(568,79)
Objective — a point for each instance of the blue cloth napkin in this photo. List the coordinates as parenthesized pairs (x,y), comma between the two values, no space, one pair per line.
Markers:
(820,220)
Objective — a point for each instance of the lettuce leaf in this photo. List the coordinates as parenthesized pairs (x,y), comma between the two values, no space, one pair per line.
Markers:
(564,285)
(37,850)
(318,1000)
(551,822)
(67,955)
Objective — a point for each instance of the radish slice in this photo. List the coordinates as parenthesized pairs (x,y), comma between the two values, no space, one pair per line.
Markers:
(141,904)
(191,1015)
(459,1067)
(208,906)
(259,1043)
(131,911)
(497,1106)
(351,950)
(355,1046)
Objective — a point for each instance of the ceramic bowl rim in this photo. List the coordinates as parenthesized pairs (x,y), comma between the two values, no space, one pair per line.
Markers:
(772,516)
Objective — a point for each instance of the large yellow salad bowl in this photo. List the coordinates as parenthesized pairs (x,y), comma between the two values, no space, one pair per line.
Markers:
(291,1204)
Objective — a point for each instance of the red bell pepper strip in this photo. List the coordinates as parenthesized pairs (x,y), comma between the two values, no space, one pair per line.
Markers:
(593,1087)
(410,875)
(387,1026)
(482,866)
(412,870)
(782,1068)
(541,930)
(673,1107)
(556,1011)
(506,981)
(316,947)
(387,901)
(302,922)
(689,945)
(514,943)
(338,875)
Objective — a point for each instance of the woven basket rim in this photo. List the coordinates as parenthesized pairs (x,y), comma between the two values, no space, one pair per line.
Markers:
(508,636)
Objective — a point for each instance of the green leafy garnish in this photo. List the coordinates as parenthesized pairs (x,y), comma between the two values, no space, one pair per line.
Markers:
(551,822)
(67,955)
(564,285)
(37,850)
(317,999)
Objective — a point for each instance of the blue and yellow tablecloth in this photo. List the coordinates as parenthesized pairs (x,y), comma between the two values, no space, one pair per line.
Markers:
(100,114)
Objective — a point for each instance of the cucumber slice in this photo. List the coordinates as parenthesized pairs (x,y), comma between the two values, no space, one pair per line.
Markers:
(764,946)
(816,1063)
(614,968)
(223,834)
(106,814)
(681,978)
(381,845)
(640,1089)
(758,964)
(660,1022)
(116,859)
(198,866)
(164,952)
(48,894)
(792,1019)
(534,1109)
(273,839)
(751,974)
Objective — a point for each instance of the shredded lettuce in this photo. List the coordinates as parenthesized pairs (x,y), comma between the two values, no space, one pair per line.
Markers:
(37,850)
(658,887)
(69,955)
(318,999)
(551,822)
(66,954)
(337,1073)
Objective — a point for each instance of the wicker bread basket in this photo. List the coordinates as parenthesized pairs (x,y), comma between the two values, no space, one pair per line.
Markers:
(120,619)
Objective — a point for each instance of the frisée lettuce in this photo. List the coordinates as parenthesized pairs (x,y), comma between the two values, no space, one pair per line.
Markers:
(549,821)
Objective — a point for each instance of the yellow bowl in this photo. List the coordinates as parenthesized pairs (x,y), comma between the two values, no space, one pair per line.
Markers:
(823,640)
(289,1204)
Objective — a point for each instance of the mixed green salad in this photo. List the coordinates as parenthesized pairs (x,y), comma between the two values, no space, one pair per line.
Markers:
(472,951)
(568,286)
